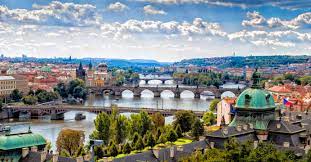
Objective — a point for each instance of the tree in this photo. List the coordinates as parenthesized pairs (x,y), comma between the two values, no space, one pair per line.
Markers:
(150,140)
(70,140)
(30,100)
(113,151)
(209,118)
(61,89)
(146,122)
(120,129)
(185,119)
(79,92)
(172,136)
(158,119)
(162,138)
(102,127)
(16,95)
(139,145)
(178,131)
(126,148)
(305,80)
(197,129)
(213,104)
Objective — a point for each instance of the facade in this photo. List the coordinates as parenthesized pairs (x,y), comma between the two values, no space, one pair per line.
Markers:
(7,85)
(97,77)
(258,119)
(224,111)
(80,72)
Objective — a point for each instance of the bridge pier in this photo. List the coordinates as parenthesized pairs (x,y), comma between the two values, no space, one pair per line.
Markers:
(157,94)
(137,94)
(56,116)
(197,95)
(177,95)
(163,81)
(118,93)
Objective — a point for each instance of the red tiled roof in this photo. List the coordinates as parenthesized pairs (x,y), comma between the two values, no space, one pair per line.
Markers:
(280,89)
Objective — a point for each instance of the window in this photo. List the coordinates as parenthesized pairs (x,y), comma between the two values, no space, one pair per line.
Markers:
(247,99)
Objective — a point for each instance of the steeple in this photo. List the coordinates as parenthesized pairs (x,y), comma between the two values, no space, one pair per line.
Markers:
(256,80)
(90,65)
(80,66)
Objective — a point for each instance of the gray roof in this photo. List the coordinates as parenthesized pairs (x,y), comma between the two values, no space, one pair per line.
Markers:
(285,127)
(232,131)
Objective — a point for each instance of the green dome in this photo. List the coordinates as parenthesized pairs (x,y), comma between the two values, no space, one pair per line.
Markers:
(253,98)
(16,141)
(45,69)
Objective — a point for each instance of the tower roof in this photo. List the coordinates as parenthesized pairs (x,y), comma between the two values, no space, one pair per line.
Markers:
(16,141)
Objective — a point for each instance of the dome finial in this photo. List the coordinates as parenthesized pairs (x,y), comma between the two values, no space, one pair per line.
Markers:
(256,79)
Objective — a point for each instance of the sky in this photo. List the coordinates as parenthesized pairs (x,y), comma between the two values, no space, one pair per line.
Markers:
(164,30)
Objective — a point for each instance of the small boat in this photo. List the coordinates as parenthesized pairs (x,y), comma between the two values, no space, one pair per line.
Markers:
(4,128)
(79,116)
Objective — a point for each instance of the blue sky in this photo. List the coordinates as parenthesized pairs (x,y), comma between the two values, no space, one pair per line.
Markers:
(165,30)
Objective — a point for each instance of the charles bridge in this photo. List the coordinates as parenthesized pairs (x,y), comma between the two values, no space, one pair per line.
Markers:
(157,90)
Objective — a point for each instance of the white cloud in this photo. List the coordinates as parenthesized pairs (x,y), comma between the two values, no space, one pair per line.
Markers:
(255,19)
(117,7)
(153,11)
(56,13)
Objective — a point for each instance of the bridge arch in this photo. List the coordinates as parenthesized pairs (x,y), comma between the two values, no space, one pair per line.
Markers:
(146,93)
(187,94)
(168,82)
(207,95)
(167,94)
(227,94)
(127,93)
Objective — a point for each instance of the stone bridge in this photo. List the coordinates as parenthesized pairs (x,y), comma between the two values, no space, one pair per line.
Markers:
(57,111)
(137,90)
(162,79)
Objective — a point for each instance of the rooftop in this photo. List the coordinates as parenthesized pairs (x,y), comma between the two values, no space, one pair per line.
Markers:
(6,78)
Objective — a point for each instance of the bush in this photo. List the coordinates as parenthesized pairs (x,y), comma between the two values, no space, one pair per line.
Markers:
(139,145)
(178,131)
(162,138)
(150,140)
(172,136)
(113,151)
(126,148)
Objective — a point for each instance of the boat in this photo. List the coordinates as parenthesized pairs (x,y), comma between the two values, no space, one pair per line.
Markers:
(4,128)
(79,116)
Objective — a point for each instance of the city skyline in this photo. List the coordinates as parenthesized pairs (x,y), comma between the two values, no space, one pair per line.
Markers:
(164,30)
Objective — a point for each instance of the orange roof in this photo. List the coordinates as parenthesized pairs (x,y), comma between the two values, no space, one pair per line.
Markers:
(280,89)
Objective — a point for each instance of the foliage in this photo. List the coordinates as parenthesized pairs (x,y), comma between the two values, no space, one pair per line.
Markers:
(70,141)
(150,140)
(162,138)
(172,136)
(213,104)
(44,96)
(30,100)
(207,79)
(61,89)
(146,122)
(119,127)
(158,119)
(305,80)
(113,151)
(185,119)
(178,131)
(16,95)
(75,88)
(126,148)
(209,118)
(102,126)
(197,129)
(139,144)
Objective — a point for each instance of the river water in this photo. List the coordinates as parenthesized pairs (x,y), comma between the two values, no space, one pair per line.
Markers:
(50,128)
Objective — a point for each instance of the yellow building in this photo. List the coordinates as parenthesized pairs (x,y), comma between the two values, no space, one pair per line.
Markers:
(98,77)
(7,85)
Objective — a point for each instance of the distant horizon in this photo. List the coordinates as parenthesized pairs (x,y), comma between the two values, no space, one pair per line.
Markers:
(164,30)
(160,61)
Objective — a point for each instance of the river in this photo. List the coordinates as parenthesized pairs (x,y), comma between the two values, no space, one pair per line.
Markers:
(50,128)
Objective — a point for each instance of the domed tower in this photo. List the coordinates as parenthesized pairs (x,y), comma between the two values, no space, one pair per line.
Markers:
(102,67)
(256,107)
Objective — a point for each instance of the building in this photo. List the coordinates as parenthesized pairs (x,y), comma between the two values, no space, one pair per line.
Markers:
(258,119)
(80,72)
(97,77)
(7,85)
(15,147)
(224,111)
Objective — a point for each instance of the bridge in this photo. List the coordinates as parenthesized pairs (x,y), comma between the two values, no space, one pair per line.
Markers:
(57,111)
(157,90)
(163,79)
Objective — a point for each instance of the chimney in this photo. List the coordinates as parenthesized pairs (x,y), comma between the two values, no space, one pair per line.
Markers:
(225,131)
(303,125)
(298,117)
(238,128)
(292,118)
(278,125)
(25,152)
(212,144)
(286,144)
(286,118)
(180,148)
(255,144)
(245,126)
(79,159)
(43,156)
(172,151)
(34,149)
(156,152)
(55,157)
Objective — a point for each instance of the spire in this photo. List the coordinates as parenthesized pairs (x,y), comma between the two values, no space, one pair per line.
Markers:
(90,65)
(256,79)
(80,66)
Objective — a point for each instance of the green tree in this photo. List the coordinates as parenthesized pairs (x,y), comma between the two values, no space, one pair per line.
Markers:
(120,129)
(305,80)
(158,119)
(150,140)
(209,118)
(126,148)
(172,136)
(197,129)
(70,141)
(185,119)
(139,145)
(102,127)
(288,76)
(16,95)
(61,89)
(30,100)
(213,104)
(162,138)
(178,131)
(146,122)
(79,92)
(113,151)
